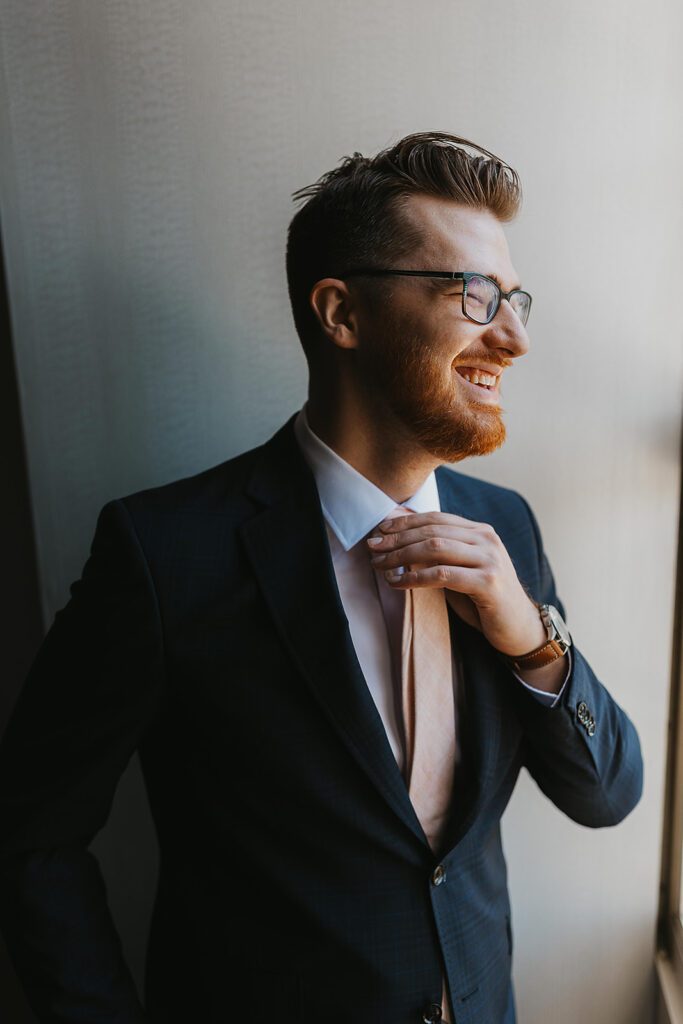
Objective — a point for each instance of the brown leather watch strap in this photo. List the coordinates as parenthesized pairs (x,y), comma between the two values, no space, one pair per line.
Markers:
(544,655)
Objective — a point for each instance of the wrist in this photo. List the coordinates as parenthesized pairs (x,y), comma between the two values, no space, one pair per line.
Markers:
(530,639)
(549,678)
(555,644)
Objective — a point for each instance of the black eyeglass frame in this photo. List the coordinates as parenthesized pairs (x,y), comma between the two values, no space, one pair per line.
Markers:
(450,275)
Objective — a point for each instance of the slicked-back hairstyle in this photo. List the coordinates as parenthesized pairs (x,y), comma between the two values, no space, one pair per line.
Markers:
(352,216)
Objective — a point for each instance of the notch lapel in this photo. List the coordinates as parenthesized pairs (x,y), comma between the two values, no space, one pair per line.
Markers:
(286,543)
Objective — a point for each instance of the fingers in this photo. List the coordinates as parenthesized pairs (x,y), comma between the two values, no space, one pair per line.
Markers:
(434,549)
(399,539)
(415,519)
(429,551)
(453,577)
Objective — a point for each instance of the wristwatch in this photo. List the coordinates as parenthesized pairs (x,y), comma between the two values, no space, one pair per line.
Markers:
(558,643)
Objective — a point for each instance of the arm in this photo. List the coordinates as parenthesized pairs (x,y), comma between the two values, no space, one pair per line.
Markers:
(94,688)
(596,779)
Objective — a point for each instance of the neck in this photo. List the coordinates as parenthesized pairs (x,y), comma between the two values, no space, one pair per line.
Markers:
(371,440)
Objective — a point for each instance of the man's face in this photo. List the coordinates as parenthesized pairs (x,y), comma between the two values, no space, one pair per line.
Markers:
(415,343)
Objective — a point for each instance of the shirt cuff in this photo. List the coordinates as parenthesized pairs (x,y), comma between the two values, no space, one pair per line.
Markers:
(542,696)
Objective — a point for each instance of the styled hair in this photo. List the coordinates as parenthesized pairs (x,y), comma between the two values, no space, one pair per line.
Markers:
(352,216)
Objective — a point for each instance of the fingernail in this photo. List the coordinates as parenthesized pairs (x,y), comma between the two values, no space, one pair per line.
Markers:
(374,541)
(394,573)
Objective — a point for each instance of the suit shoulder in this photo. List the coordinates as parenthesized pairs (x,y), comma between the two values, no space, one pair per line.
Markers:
(482,492)
(210,489)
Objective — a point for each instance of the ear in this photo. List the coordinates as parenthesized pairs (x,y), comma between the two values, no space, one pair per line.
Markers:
(332,304)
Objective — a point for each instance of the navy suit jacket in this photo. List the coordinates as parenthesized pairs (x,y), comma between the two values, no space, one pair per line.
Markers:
(295,882)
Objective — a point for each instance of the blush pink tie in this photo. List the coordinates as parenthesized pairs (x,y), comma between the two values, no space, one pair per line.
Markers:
(428,709)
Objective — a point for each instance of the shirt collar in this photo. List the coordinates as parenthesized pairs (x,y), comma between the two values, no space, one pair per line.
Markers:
(352,505)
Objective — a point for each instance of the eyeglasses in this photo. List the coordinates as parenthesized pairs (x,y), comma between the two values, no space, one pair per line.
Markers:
(481,295)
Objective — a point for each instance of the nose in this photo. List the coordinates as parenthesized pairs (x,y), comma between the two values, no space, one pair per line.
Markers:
(507,332)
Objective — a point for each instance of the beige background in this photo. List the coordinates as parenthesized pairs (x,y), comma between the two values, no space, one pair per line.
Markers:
(149,150)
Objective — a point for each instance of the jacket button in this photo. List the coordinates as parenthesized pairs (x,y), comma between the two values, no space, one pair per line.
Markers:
(590,727)
(582,712)
(439,875)
(431,1013)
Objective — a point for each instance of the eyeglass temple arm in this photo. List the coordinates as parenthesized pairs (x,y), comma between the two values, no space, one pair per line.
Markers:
(375,272)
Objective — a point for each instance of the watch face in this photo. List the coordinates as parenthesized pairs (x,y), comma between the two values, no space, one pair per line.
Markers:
(559,624)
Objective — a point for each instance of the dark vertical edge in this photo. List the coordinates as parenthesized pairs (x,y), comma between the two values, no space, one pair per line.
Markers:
(672,833)
(20,606)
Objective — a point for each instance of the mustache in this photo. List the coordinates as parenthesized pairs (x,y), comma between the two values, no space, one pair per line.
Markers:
(488,358)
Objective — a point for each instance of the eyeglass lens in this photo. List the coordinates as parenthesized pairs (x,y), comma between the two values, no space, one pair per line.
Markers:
(483,296)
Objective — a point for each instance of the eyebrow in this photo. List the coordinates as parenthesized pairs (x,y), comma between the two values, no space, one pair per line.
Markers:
(494,277)
(440,283)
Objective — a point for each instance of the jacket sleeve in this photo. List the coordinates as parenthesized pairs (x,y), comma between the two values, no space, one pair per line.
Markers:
(93,689)
(583,752)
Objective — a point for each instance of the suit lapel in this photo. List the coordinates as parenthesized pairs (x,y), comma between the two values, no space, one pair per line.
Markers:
(482,722)
(287,545)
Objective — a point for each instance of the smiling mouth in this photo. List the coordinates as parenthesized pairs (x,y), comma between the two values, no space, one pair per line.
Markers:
(484,381)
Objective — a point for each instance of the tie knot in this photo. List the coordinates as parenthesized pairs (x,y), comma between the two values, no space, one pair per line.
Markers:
(395,511)
(399,510)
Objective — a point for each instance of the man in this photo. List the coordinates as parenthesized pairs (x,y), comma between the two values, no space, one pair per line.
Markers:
(328,746)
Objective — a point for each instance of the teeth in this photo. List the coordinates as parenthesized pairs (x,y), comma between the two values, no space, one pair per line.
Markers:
(480,378)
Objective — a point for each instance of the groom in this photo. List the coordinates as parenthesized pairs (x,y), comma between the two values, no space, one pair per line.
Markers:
(333,654)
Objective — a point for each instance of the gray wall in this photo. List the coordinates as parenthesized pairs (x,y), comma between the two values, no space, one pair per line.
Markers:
(149,150)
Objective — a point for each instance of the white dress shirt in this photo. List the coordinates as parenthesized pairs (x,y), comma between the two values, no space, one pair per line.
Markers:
(352,507)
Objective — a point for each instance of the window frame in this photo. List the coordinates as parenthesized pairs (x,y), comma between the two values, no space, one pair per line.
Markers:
(669,938)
